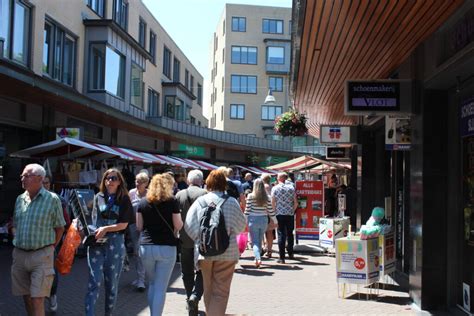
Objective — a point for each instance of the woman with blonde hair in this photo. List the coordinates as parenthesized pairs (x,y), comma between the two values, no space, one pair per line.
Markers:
(270,232)
(258,209)
(159,220)
(111,213)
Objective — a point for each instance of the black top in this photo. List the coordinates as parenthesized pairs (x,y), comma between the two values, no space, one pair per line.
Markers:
(155,230)
(111,211)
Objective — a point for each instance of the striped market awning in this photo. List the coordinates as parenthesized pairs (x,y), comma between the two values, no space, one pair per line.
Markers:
(256,170)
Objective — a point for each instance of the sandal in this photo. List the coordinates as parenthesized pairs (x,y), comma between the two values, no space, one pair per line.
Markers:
(269,253)
(258,263)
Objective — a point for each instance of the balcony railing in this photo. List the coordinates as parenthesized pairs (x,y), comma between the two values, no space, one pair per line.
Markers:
(313,150)
(221,136)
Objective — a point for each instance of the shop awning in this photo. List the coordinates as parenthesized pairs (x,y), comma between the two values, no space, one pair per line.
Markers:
(70,148)
(256,170)
(198,164)
(305,162)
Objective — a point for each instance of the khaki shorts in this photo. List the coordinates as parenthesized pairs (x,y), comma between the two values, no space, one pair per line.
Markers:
(33,272)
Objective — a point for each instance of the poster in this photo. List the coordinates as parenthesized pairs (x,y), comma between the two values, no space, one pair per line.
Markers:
(357,261)
(310,209)
(387,253)
(331,229)
(397,132)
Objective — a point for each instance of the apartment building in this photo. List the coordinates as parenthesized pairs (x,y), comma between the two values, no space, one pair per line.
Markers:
(250,54)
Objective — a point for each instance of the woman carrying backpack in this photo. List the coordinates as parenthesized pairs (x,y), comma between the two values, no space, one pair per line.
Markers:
(217,270)
(159,220)
(258,210)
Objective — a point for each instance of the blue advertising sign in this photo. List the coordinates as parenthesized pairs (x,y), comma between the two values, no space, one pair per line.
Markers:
(467,117)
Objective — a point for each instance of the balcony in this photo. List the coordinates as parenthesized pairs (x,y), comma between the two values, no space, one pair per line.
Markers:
(220,136)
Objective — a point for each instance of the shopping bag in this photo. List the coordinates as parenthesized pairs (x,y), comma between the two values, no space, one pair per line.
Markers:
(88,175)
(242,240)
(65,258)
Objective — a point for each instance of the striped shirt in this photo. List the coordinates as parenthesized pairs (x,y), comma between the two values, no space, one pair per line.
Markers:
(234,222)
(252,209)
(35,220)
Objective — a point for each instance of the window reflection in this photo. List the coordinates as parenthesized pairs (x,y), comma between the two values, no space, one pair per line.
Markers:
(20,33)
(136,89)
(107,70)
(5,24)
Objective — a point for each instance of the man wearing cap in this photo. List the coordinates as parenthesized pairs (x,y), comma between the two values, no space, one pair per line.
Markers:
(38,226)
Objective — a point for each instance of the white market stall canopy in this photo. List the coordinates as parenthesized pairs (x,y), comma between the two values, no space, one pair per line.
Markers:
(70,148)
(305,162)
(256,170)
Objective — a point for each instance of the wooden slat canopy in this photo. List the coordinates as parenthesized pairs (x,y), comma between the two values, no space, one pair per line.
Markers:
(354,39)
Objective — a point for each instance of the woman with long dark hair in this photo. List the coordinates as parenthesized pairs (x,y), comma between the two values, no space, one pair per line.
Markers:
(111,214)
(159,220)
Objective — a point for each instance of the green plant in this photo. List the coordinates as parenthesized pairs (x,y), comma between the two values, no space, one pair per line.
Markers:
(291,123)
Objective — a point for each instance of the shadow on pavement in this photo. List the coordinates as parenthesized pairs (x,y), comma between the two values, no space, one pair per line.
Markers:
(251,270)
(388,299)
(388,287)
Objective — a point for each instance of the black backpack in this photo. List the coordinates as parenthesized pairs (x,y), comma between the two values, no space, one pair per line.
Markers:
(232,190)
(213,237)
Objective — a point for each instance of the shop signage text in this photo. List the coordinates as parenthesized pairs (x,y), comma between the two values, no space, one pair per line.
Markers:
(337,152)
(467,117)
(192,150)
(332,134)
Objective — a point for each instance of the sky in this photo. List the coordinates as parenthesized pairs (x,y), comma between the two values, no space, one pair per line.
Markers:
(191,24)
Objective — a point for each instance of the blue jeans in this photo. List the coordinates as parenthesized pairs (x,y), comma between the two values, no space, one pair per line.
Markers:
(286,224)
(158,262)
(257,228)
(107,261)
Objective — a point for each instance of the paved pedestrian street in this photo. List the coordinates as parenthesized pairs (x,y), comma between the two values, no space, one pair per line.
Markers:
(304,286)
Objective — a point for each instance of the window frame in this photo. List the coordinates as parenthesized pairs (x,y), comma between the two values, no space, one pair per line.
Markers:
(141,86)
(152,46)
(236,106)
(239,62)
(240,84)
(238,29)
(275,63)
(176,72)
(269,21)
(199,94)
(51,72)
(121,21)
(275,78)
(153,95)
(97,9)
(142,32)
(167,68)
(268,107)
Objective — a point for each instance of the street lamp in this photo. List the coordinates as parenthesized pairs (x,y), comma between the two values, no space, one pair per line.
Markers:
(270,99)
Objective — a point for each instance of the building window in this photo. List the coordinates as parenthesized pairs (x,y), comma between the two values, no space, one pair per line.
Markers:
(191,84)
(237,111)
(223,55)
(107,70)
(167,62)
(239,24)
(176,70)
(222,85)
(244,55)
(199,96)
(97,6)
(186,78)
(275,84)
(142,33)
(120,13)
(174,108)
(153,102)
(15,30)
(275,55)
(272,26)
(136,86)
(59,53)
(223,28)
(269,113)
(222,113)
(193,120)
(243,84)
(199,123)
(152,50)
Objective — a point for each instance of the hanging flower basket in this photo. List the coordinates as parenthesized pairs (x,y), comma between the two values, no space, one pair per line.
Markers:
(291,123)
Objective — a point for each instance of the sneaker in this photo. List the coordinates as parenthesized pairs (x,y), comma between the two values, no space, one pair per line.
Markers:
(141,286)
(282,261)
(53,303)
(192,307)
(292,257)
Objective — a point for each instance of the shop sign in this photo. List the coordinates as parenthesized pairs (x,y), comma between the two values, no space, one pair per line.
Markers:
(192,150)
(331,229)
(377,97)
(387,253)
(466,297)
(310,209)
(357,261)
(336,134)
(337,152)
(69,132)
(397,132)
(467,117)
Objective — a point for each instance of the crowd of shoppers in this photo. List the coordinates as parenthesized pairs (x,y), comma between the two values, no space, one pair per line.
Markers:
(158,215)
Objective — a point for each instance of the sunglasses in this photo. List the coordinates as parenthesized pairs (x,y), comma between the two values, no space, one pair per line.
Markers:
(112,178)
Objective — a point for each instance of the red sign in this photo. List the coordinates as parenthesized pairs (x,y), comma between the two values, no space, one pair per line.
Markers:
(359,263)
(310,208)
(329,233)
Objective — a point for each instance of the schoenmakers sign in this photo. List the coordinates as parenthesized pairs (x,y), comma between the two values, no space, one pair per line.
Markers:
(377,97)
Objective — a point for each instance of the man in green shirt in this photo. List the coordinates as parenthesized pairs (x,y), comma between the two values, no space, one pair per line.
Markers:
(38,225)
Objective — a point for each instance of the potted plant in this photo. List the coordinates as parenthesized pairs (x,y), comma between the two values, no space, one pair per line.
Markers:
(291,123)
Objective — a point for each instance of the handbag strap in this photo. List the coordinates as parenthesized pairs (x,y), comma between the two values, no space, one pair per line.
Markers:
(156,209)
